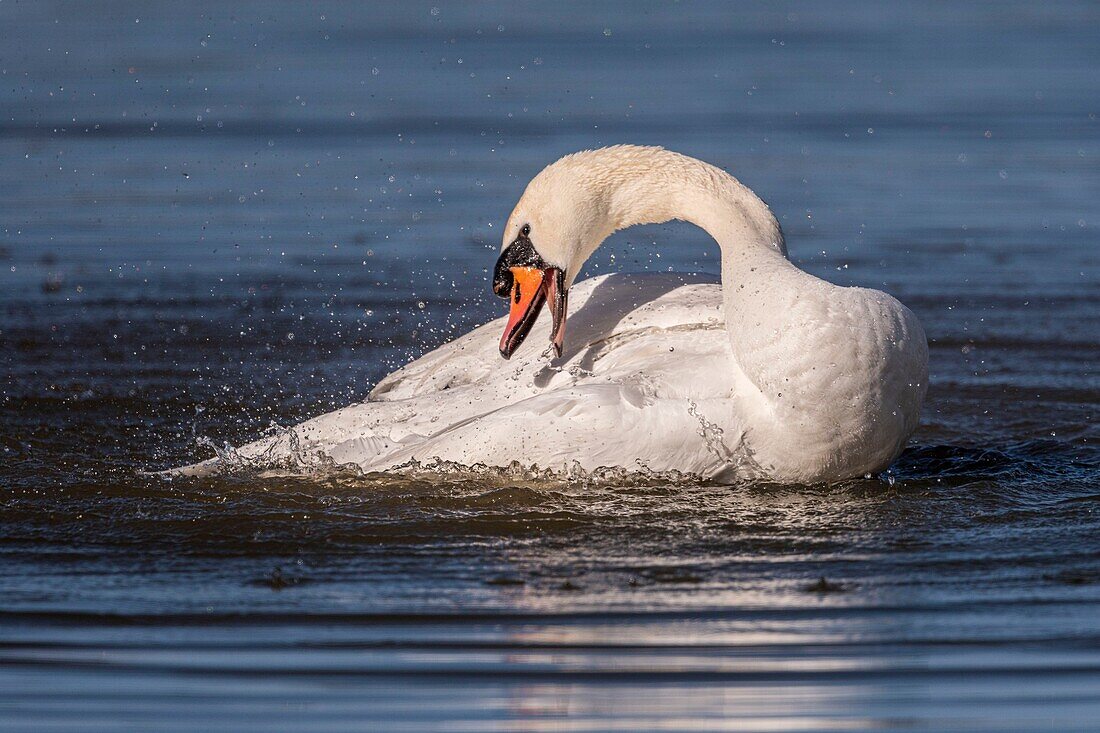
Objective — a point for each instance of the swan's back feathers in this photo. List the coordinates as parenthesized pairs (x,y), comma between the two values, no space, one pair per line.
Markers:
(607,312)
(639,353)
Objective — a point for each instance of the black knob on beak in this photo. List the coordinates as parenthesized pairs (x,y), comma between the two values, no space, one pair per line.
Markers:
(502,277)
(520,253)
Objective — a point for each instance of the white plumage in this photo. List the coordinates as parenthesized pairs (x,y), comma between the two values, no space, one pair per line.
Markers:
(777,374)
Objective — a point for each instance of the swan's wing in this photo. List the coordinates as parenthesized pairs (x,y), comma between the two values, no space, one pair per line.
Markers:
(601,308)
(587,426)
(650,388)
(639,352)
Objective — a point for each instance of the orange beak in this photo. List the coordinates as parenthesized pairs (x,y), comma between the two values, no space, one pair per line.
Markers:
(531,288)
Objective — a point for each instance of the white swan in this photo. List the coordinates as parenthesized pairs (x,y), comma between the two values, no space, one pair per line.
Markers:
(777,374)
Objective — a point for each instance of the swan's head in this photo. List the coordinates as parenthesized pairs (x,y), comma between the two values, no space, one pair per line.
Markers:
(559,221)
(571,206)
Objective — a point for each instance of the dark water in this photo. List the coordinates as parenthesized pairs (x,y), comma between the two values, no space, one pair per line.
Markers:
(214,218)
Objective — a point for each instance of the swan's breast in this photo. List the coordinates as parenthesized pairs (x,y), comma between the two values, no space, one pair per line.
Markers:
(848,372)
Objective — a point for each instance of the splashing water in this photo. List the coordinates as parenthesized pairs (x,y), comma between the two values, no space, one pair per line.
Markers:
(739,458)
(572,473)
(276,460)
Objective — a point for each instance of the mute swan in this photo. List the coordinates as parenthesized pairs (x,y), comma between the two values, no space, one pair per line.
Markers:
(776,374)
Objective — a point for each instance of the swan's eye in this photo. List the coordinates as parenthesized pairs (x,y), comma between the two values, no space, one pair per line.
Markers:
(526,230)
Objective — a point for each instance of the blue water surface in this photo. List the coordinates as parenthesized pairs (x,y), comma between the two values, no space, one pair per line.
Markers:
(218,216)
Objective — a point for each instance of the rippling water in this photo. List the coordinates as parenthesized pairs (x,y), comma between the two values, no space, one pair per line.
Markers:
(215,219)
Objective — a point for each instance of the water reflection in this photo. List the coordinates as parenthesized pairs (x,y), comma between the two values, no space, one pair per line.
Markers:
(537,674)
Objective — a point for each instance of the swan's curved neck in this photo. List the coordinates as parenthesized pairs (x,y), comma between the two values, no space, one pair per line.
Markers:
(652,185)
(672,186)
(758,281)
